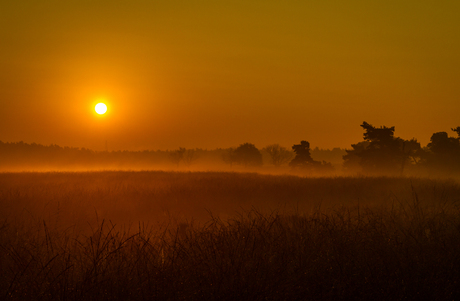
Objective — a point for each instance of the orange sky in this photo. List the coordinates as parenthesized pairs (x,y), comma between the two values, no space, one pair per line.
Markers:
(211,74)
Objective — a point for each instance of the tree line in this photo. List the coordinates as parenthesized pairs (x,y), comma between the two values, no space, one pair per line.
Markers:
(380,152)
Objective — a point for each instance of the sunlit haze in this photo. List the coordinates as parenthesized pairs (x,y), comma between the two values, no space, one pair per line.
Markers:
(216,74)
(229,150)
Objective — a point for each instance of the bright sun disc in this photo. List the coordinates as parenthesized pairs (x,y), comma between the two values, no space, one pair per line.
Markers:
(101,108)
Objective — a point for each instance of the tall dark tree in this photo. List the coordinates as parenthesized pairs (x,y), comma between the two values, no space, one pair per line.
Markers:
(248,155)
(381,151)
(442,154)
(302,155)
(352,158)
(443,145)
(303,159)
(411,152)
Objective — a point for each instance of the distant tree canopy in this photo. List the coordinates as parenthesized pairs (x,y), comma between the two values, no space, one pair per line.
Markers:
(24,156)
(303,159)
(228,156)
(381,151)
(335,155)
(302,155)
(178,155)
(190,156)
(442,154)
(247,154)
(278,154)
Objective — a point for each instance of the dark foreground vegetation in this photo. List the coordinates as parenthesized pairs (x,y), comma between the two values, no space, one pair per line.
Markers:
(304,238)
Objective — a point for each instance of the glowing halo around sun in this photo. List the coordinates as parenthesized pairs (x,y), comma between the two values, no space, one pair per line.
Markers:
(101,108)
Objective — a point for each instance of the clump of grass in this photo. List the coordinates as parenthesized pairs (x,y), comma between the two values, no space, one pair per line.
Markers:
(408,251)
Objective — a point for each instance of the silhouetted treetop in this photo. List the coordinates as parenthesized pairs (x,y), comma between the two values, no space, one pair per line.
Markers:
(247,154)
(278,154)
(441,143)
(178,155)
(457,130)
(381,152)
(304,160)
(302,154)
(442,154)
(379,137)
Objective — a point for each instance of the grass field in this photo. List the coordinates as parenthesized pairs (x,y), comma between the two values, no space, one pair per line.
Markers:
(227,236)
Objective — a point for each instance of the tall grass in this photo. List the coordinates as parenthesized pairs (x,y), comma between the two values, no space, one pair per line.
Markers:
(400,244)
(76,199)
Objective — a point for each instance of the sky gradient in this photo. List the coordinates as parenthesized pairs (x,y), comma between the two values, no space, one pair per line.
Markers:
(209,74)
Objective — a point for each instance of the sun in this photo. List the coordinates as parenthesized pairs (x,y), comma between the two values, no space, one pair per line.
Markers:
(101,108)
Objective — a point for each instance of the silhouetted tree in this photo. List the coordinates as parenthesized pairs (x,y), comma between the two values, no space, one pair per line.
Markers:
(190,156)
(329,155)
(303,159)
(352,158)
(302,155)
(247,154)
(442,154)
(381,152)
(411,152)
(177,155)
(228,156)
(278,154)
(457,130)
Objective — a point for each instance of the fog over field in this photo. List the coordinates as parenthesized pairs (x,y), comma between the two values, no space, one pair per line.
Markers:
(229,150)
(240,223)
(380,152)
(129,197)
(226,235)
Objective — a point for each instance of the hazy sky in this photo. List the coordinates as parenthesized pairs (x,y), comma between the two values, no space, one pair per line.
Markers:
(214,74)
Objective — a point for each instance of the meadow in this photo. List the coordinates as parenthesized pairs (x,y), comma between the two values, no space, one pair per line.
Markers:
(153,235)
